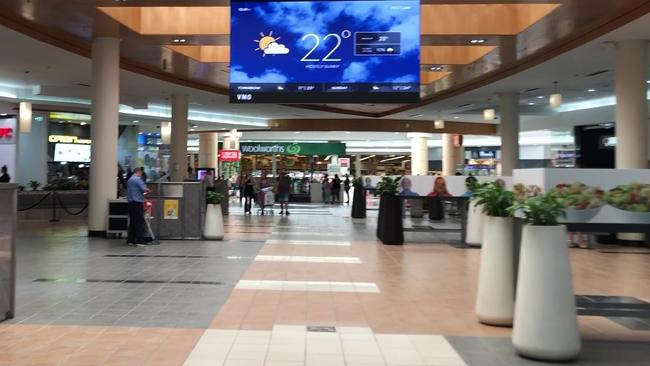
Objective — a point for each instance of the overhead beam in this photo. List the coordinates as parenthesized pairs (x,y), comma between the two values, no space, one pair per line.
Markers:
(452,55)
(208,54)
(381,125)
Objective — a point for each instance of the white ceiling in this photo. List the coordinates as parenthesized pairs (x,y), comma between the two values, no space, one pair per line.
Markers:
(52,67)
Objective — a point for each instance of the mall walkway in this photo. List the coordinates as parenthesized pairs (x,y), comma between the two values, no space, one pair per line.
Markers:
(311,289)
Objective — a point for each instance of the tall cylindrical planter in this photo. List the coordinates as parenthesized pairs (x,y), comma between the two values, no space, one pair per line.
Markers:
(391,230)
(475,220)
(213,228)
(359,203)
(380,219)
(495,300)
(546,323)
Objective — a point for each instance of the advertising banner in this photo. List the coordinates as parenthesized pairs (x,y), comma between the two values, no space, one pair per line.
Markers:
(229,155)
(170,209)
(292,148)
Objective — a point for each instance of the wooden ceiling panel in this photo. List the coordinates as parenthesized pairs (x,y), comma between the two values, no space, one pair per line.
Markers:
(481,19)
(427,77)
(173,20)
(208,54)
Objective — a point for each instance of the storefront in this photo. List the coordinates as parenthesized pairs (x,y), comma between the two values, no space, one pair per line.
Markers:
(305,162)
(8,145)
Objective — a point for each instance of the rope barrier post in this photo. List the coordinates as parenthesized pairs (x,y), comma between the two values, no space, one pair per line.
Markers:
(54,218)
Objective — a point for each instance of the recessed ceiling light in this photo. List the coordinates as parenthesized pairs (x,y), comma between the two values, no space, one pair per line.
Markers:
(192,129)
(540,97)
(436,68)
(591,90)
(531,103)
(179,40)
(647,81)
(136,121)
(83,123)
(456,117)
(194,126)
(477,41)
(297,132)
(347,132)
(3,114)
(396,133)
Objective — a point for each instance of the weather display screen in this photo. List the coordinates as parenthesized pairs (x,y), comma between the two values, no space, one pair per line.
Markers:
(325,51)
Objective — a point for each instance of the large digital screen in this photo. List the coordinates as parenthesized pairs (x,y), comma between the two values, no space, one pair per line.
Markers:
(325,51)
(76,153)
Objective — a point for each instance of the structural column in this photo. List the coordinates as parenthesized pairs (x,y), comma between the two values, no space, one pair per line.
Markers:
(178,161)
(449,159)
(103,131)
(357,165)
(419,153)
(631,105)
(208,151)
(274,165)
(509,130)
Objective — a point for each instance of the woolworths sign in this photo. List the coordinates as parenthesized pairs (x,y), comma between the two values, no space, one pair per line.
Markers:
(287,148)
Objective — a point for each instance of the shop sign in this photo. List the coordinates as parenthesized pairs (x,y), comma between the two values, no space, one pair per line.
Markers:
(344,162)
(65,139)
(7,131)
(229,155)
(288,148)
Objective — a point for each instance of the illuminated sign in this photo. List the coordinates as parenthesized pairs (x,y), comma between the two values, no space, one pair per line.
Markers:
(6,133)
(344,162)
(64,139)
(69,116)
(229,155)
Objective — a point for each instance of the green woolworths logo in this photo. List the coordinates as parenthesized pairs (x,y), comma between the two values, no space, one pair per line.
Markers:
(293,149)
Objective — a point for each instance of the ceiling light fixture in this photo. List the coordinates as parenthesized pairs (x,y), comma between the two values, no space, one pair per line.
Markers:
(456,117)
(555,100)
(540,97)
(136,121)
(439,124)
(477,41)
(83,123)
(436,68)
(395,158)
(179,40)
(367,157)
(166,132)
(531,103)
(591,90)
(489,114)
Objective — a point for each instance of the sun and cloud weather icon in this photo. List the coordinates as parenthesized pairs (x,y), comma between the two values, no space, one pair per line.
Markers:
(269,45)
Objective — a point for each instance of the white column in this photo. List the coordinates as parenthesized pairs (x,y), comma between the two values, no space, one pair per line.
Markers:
(631,105)
(448,155)
(103,131)
(357,165)
(208,151)
(178,149)
(274,165)
(419,153)
(509,129)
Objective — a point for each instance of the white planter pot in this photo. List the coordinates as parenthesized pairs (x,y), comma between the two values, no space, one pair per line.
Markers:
(546,323)
(213,228)
(495,300)
(575,215)
(475,220)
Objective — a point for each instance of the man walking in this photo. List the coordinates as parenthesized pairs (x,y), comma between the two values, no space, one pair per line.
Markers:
(136,190)
(284,186)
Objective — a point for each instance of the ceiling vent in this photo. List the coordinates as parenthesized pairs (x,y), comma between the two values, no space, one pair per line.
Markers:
(82,84)
(531,90)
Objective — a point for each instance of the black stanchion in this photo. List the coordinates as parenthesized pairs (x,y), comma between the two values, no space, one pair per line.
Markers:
(54,218)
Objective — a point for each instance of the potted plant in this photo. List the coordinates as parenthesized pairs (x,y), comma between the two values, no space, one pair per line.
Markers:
(34,185)
(475,216)
(358,199)
(213,228)
(389,222)
(546,323)
(582,203)
(496,292)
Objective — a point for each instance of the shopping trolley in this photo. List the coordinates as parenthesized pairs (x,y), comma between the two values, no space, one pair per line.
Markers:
(265,200)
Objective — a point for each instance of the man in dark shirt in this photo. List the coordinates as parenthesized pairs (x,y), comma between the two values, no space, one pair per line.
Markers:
(4,176)
(284,186)
(136,190)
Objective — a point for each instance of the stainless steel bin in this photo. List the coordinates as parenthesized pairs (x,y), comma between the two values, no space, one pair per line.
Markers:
(8,211)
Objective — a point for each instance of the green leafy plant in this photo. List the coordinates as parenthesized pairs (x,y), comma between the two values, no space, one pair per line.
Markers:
(34,185)
(633,197)
(213,198)
(541,210)
(495,199)
(578,195)
(357,182)
(388,185)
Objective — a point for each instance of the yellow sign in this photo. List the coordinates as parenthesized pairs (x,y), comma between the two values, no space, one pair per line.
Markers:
(170,209)
(64,139)
(69,116)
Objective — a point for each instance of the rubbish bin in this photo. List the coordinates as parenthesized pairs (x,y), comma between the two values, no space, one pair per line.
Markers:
(8,211)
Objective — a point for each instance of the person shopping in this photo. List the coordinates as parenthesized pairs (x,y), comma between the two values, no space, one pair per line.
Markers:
(284,185)
(136,189)
(249,194)
(336,189)
(346,187)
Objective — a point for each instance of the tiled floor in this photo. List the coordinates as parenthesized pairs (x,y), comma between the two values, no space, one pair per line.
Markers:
(248,300)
